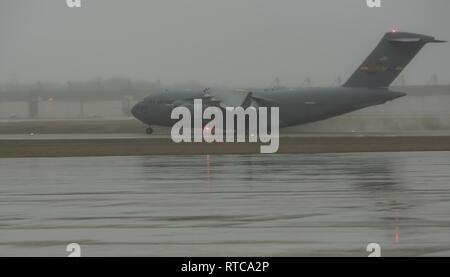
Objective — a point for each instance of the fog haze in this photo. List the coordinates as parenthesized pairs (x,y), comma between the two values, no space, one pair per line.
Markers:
(232,42)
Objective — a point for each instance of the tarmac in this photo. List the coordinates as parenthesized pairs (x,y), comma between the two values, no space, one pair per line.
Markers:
(69,147)
(79,138)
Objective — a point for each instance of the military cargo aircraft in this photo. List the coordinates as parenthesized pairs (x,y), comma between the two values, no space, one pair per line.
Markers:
(368,86)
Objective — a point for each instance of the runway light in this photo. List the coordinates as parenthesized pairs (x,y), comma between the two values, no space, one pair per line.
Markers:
(394,30)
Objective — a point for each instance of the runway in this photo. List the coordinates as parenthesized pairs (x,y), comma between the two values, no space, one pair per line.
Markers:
(75,145)
(125,137)
(166,135)
(227,205)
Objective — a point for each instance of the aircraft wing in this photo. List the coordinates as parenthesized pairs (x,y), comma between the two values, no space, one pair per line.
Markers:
(241,98)
(224,98)
(230,98)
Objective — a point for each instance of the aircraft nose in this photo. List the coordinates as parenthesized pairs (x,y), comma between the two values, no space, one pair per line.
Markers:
(139,111)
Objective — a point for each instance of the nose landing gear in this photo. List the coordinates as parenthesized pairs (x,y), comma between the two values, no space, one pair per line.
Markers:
(149,130)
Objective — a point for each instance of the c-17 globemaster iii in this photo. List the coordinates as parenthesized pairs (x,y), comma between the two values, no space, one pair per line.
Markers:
(368,86)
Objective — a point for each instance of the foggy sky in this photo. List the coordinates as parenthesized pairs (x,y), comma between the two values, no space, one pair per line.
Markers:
(216,42)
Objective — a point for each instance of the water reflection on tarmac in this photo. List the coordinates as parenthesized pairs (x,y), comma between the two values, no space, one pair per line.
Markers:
(239,205)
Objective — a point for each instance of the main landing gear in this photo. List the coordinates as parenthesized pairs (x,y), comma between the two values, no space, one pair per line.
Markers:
(149,130)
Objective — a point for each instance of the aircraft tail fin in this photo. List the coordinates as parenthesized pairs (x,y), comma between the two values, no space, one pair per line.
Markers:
(387,61)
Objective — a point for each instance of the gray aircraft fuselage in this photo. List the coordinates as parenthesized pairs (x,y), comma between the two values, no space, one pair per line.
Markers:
(297,106)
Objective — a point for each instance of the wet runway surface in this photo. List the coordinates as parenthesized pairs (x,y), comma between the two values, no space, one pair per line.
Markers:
(33,136)
(238,205)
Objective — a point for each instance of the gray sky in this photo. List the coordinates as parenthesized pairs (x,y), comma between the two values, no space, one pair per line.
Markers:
(217,42)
